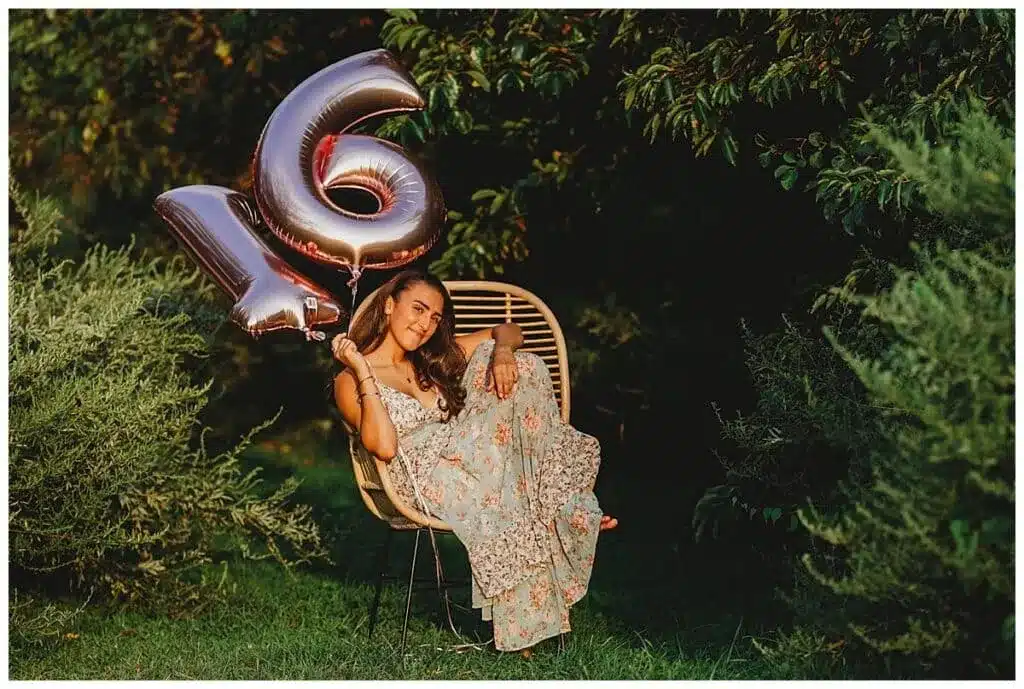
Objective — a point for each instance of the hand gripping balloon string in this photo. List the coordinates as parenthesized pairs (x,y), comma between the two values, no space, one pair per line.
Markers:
(353,284)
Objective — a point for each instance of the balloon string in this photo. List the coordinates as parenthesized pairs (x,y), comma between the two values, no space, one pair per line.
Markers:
(353,284)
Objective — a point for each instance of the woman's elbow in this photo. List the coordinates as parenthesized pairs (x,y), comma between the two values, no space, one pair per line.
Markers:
(512,334)
(383,449)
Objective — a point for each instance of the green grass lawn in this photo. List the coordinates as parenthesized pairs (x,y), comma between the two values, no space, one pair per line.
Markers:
(312,627)
(636,622)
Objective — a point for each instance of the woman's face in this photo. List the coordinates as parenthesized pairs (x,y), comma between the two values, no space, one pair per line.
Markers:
(414,316)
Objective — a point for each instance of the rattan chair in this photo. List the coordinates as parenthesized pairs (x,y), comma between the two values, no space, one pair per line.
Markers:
(478,305)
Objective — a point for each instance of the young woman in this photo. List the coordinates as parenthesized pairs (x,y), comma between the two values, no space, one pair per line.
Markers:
(479,429)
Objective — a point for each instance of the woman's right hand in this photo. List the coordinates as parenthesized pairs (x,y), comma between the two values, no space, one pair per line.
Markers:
(345,351)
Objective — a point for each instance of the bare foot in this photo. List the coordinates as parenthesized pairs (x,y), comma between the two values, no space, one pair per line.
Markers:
(608,523)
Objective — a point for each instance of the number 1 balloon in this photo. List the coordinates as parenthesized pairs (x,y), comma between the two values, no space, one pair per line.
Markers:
(300,154)
(218,226)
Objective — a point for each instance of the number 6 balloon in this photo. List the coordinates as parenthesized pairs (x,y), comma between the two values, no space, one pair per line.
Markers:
(300,154)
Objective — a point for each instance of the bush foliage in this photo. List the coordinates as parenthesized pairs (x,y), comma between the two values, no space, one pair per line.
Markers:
(918,547)
(110,495)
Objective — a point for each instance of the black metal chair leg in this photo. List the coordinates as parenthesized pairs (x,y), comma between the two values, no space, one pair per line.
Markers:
(382,570)
(408,597)
(442,588)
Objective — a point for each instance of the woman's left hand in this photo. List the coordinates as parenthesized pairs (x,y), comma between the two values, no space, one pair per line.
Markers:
(504,373)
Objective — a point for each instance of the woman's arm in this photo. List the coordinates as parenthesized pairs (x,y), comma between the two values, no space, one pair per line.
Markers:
(358,399)
(364,411)
(503,373)
(507,335)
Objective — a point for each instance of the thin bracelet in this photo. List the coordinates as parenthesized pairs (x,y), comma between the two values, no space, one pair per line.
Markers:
(368,394)
(363,379)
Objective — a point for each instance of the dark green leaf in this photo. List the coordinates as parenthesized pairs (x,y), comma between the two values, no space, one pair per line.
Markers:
(480,79)
(729,147)
(434,96)
(789,179)
(504,81)
(481,194)
(784,35)
(782,170)
(629,97)
(406,15)
(884,192)
(417,130)
(848,224)
(519,50)
(451,89)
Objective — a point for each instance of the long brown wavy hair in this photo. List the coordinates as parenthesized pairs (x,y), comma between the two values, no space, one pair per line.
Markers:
(440,361)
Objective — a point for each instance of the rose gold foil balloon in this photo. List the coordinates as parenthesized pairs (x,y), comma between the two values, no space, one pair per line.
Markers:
(217,225)
(300,153)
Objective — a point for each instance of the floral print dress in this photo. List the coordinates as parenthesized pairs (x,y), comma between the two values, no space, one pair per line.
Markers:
(515,483)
